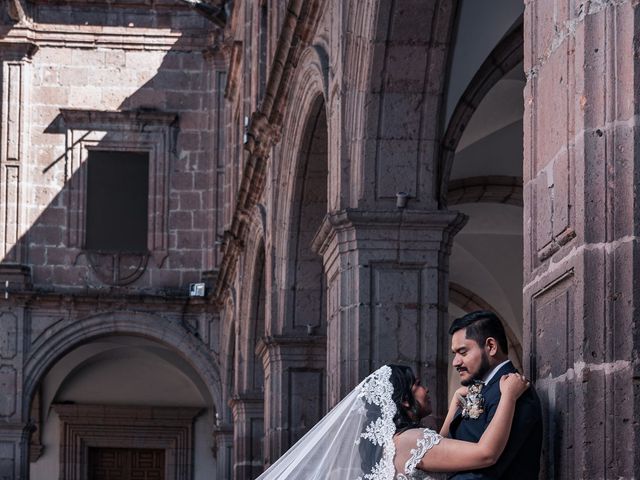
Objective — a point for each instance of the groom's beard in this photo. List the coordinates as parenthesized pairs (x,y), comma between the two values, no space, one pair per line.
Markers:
(485,367)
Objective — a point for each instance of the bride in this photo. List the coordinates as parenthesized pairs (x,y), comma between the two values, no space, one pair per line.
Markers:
(374,434)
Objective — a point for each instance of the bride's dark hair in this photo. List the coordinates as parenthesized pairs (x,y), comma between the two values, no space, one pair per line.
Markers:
(403,379)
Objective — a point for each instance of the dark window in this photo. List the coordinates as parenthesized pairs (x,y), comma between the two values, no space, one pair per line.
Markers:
(117,201)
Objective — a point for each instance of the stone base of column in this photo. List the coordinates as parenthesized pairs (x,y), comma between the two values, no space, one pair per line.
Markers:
(295,393)
(248,419)
(14,451)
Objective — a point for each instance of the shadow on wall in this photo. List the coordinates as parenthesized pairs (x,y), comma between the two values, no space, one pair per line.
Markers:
(111,192)
(123,168)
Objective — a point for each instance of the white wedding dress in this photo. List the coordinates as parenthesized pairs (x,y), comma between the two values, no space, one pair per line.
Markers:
(406,459)
(355,441)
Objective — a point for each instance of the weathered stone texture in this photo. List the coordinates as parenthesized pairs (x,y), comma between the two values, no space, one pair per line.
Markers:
(276,184)
(581,172)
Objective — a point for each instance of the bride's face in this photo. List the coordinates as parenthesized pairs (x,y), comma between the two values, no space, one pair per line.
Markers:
(423,401)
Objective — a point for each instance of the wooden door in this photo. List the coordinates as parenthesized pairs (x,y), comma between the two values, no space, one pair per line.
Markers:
(126,464)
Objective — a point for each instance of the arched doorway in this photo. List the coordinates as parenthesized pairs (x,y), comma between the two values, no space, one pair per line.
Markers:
(482,168)
(129,373)
(124,405)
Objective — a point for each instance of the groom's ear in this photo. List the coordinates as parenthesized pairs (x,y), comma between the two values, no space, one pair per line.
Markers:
(491,346)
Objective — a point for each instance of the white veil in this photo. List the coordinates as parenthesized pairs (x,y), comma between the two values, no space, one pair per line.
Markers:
(354,441)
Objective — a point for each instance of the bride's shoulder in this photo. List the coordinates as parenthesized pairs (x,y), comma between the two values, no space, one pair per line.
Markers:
(413,433)
(422,439)
(411,445)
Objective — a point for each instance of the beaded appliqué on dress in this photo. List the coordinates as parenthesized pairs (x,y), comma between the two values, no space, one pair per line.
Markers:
(378,390)
(424,444)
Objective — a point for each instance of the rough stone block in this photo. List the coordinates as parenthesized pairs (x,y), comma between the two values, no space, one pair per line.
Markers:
(405,68)
(543,209)
(552,316)
(551,115)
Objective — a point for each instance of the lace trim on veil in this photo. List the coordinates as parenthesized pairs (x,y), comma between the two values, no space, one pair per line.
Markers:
(377,390)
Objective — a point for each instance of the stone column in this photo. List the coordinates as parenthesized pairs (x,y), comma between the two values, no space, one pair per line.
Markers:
(582,282)
(248,434)
(14,451)
(14,431)
(223,449)
(387,277)
(294,396)
(15,61)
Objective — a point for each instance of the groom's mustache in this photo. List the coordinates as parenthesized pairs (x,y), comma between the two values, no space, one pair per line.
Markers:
(461,369)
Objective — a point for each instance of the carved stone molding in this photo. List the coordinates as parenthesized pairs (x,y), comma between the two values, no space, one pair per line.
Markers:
(299,26)
(152,132)
(86,426)
(353,219)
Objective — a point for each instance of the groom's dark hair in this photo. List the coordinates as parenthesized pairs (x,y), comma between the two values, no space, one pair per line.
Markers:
(481,325)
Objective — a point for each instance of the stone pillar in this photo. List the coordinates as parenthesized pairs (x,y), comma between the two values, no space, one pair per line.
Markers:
(14,432)
(582,265)
(248,434)
(15,59)
(223,449)
(294,396)
(14,451)
(387,294)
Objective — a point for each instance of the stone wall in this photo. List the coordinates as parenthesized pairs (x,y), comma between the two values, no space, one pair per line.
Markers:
(581,226)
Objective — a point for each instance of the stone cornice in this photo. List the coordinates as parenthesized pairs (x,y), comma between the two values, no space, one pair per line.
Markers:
(17,49)
(80,119)
(277,346)
(449,222)
(106,413)
(126,38)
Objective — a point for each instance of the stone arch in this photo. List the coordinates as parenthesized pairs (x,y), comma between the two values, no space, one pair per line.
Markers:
(310,84)
(164,331)
(248,399)
(508,53)
(228,351)
(308,96)
(253,300)
(392,118)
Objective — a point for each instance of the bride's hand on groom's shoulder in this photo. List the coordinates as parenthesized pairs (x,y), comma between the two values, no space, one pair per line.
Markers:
(513,385)
(458,396)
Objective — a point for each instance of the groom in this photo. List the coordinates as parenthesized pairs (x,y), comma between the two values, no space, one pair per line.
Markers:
(479,343)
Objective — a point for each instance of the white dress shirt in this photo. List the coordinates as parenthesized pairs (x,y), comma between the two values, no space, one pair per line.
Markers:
(493,372)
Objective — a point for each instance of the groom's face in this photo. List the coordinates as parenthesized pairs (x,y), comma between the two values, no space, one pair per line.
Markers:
(469,359)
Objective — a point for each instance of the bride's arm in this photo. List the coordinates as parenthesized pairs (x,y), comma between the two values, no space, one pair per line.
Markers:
(453,408)
(456,455)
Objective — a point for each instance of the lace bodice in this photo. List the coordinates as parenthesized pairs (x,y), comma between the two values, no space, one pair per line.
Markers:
(407,460)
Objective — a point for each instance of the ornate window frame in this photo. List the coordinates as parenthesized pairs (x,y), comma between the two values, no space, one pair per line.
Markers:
(86,426)
(150,131)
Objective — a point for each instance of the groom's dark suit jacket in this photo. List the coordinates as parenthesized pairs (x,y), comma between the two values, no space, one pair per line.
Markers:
(521,457)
